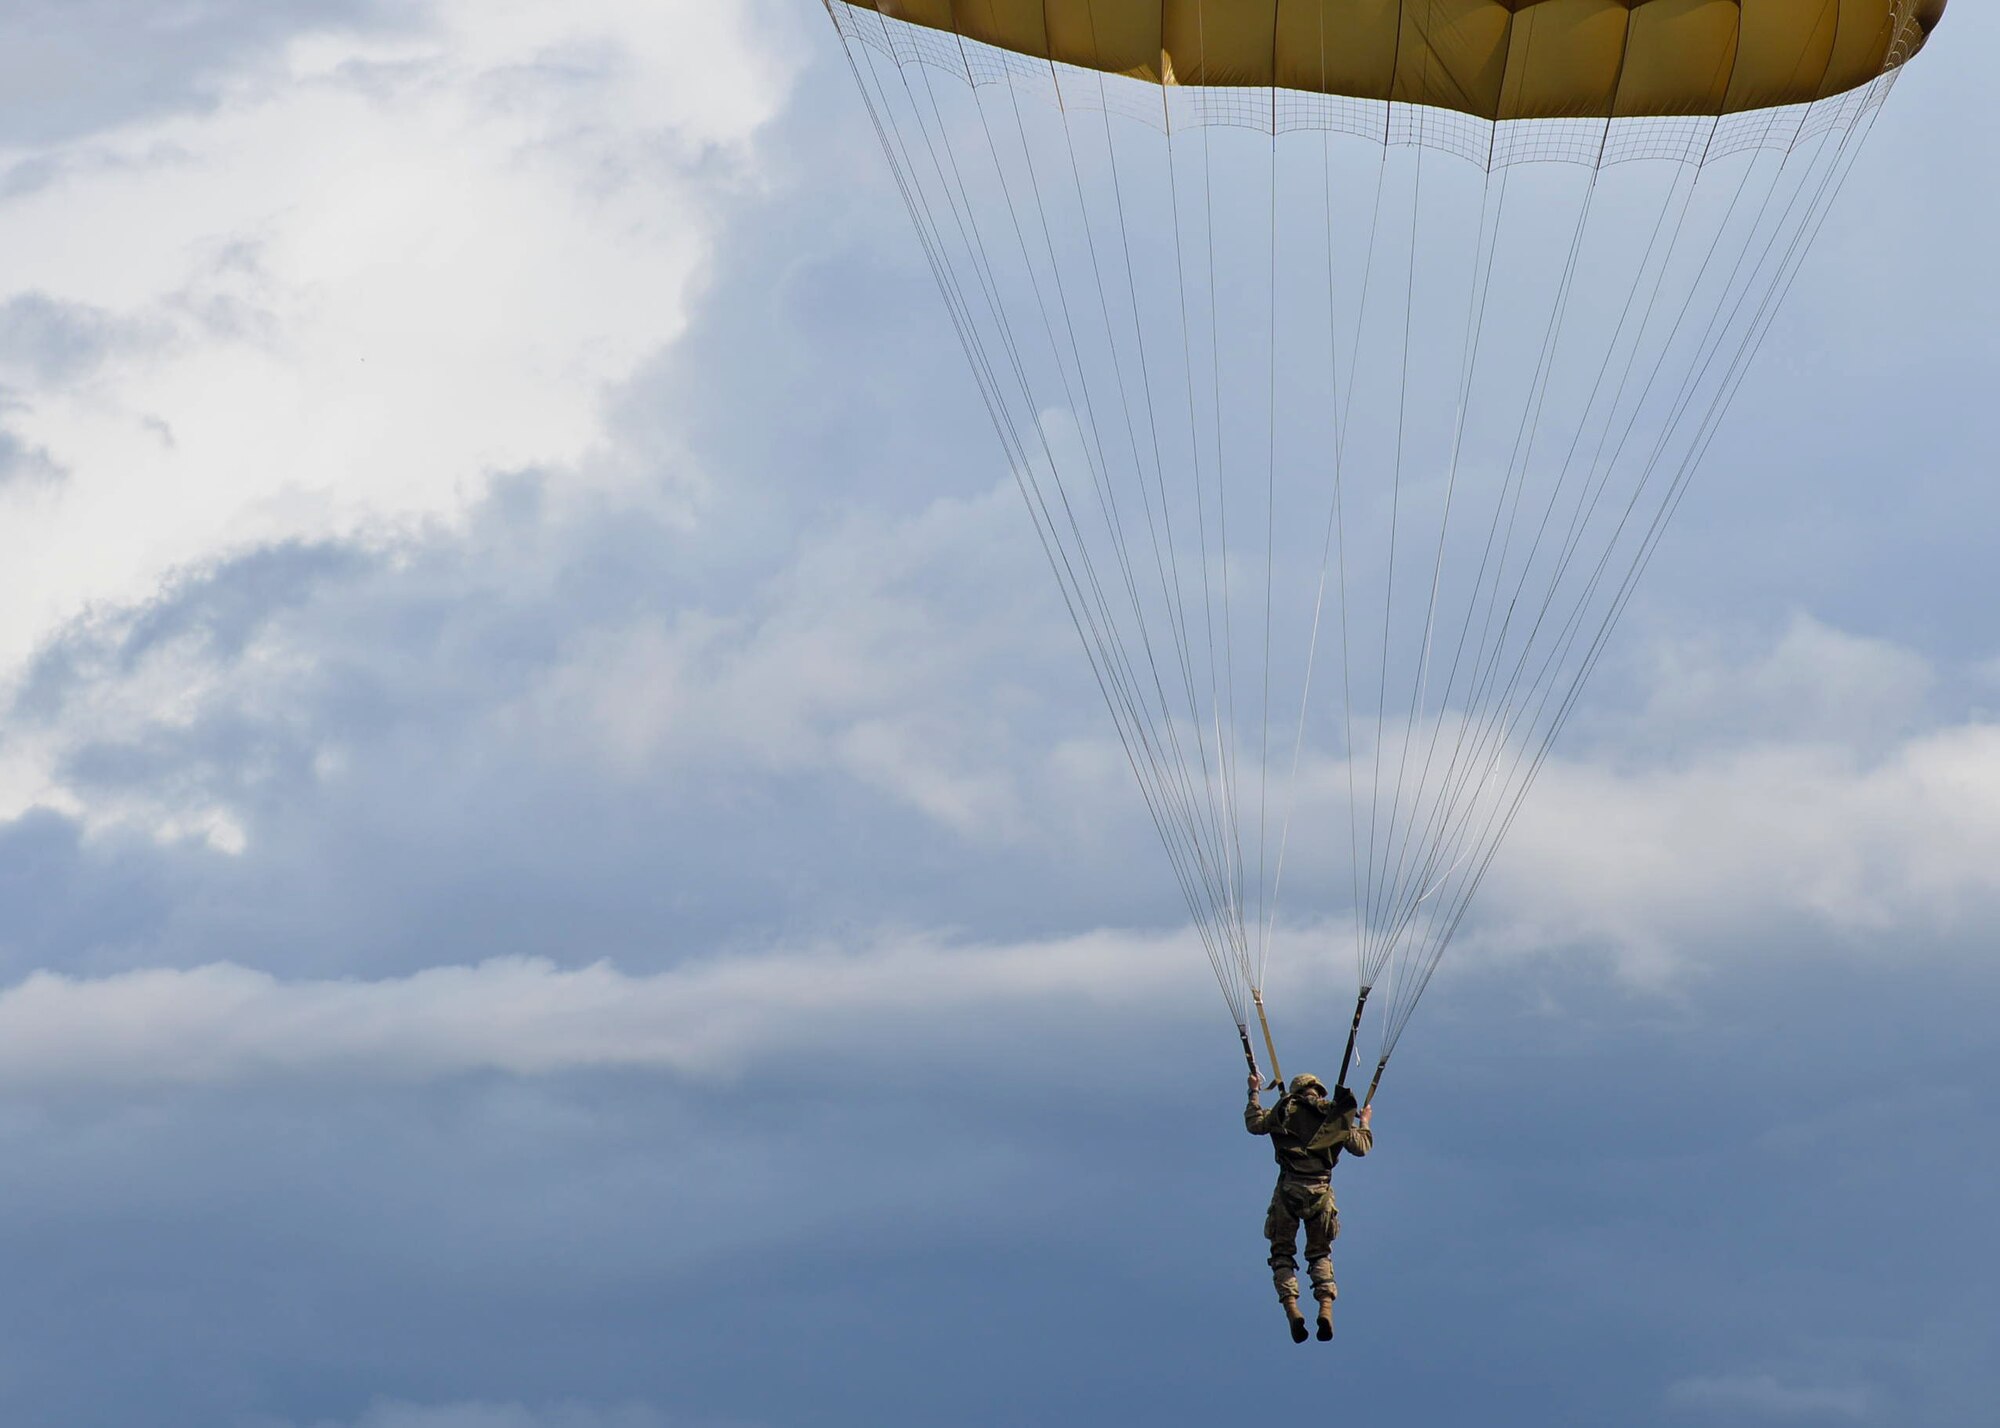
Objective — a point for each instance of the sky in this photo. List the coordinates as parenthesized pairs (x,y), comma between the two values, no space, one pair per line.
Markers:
(563,868)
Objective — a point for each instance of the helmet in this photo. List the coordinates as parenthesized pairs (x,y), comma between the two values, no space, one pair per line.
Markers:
(1304,1080)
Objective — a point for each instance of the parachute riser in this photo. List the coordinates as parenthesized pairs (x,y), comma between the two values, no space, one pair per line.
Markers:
(1375,1084)
(1264,1022)
(1249,1054)
(1353,1031)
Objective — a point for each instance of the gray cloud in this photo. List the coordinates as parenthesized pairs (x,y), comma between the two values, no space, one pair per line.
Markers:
(800,682)
(22,463)
(548,701)
(528,688)
(49,340)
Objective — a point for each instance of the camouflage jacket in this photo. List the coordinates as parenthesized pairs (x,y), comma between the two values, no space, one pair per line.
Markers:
(1305,1144)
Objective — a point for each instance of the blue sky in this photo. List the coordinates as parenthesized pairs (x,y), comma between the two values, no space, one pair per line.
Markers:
(563,869)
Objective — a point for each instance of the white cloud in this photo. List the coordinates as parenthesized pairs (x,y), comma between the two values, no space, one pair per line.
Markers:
(1813,684)
(1763,1396)
(227,1024)
(1743,840)
(363,281)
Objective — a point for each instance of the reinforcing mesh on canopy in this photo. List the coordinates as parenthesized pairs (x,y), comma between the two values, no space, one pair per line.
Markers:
(1347,427)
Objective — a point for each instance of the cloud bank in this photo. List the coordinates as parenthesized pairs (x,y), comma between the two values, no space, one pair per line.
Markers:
(224,1023)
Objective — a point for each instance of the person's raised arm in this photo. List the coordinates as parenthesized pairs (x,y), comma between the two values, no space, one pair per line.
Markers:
(1360,1137)
(1256,1119)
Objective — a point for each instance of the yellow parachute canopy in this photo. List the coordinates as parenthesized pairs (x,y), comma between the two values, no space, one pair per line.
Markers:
(1497,59)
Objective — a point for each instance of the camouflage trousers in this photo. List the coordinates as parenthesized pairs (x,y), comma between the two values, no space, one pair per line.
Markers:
(1308,1203)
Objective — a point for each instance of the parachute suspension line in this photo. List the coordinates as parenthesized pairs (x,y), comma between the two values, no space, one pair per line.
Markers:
(1780,280)
(1496,723)
(1319,600)
(1337,516)
(1107,496)
(1172,589)
(1215,775)
(1480,292)
(1413,972)
(1477,291)
(1211,775)
(1169,571)
(1800,234)
(1255,977)
(1388,940)
(1225,915)
(1395,513)
(1417,883)
(1334,543)
(1118,666)
(1492,646)
(1131,730)
(930,238)
(1497,726)
(1108,500)
(1226,752)
(1264,914)
(1178,762)
(1475,338)
(1385,935)
(1402,434)
(1423,885)
(1800,246)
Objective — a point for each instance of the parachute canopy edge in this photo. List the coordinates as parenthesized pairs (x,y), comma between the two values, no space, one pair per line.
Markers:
(1494,59)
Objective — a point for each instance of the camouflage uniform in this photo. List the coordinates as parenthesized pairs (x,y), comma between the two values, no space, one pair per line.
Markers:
(1306,1148)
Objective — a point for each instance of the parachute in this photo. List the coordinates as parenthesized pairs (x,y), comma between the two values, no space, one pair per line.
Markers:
(1351,357)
